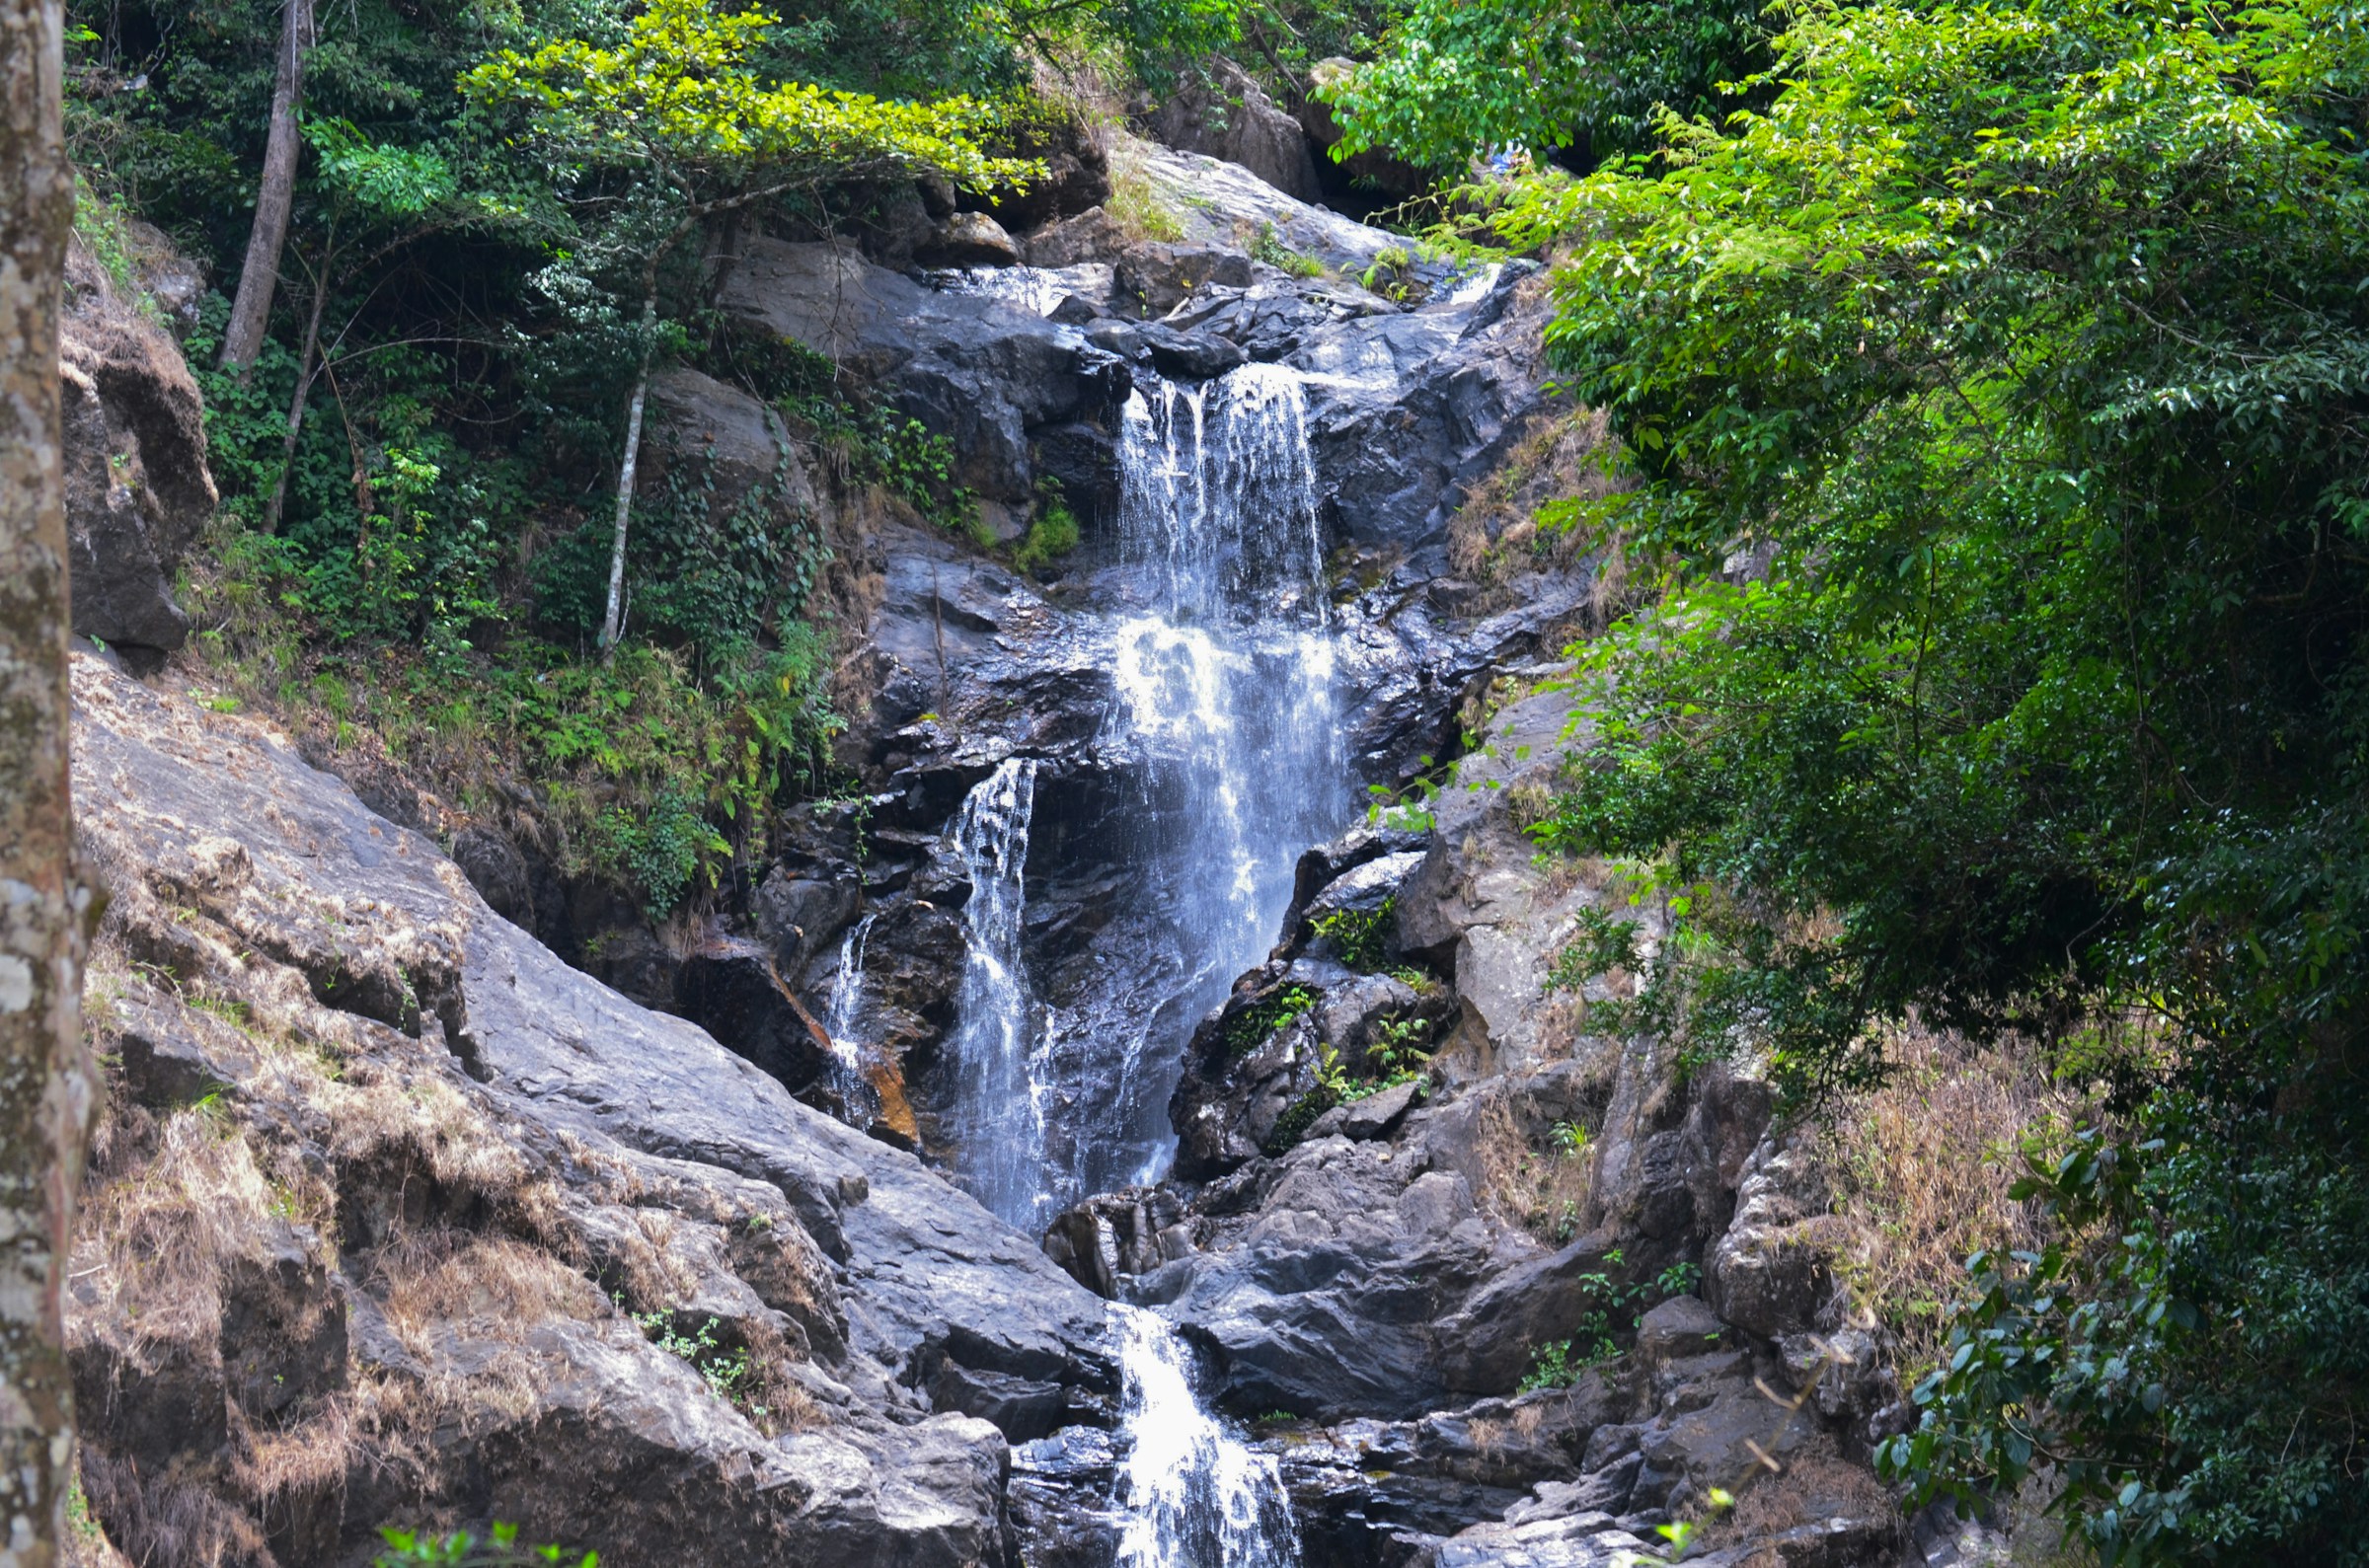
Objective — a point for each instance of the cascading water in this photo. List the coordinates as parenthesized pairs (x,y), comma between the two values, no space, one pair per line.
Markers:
(846,992)
(1223,668)
(997,1027)
(1195,1496)
(1225,682)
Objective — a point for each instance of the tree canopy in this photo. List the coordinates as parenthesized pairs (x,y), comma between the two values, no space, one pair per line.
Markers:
(1997,401)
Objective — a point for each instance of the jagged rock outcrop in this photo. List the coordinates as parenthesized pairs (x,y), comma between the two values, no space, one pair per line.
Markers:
(382,1178)
(137,487)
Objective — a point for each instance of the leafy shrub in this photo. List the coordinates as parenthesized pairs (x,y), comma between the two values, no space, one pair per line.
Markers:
(1053,534)
(1361,937)
(725,1372)
(1613,1310)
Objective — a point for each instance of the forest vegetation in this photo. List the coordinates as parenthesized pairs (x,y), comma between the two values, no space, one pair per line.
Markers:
(1990,502)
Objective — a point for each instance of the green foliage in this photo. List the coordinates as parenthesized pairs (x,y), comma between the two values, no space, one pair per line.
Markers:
(1393,1054)
(1254,1024)
(665,850)
(406,1549)
(1053,534)
(1361,937)
(725,1372)
(1612,1310)
(1994,397)
(684,100)
(2221,1248)
(1458,78)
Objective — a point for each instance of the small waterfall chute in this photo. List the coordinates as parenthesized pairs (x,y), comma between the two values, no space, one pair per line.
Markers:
(1192,1494)
(846,1006)
(997,1030)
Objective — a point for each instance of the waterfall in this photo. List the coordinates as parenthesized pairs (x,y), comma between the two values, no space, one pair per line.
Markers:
(846,992)
(1223,677)
(1195,1495)
(1225,683)
(996,1033)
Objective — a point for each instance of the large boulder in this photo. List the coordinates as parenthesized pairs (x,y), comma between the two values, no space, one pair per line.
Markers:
(137,487)
(982,373)
(1225,113)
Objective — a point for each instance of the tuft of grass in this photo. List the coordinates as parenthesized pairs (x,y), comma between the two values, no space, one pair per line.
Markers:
(1138,206)
(1050,537)
(1267,246)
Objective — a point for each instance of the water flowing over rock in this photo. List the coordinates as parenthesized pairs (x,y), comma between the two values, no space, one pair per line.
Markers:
(993,1047)
(1195,1495)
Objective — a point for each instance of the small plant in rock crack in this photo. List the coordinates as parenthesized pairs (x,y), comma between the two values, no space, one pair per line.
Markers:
(1394,1054)
(1250,1029)
(1360,937)
(1569,1137)
(726,1373)
(406,1549)
(1613,1309)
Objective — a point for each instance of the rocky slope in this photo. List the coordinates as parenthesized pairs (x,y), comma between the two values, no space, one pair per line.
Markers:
(398,1217)
(394,1218)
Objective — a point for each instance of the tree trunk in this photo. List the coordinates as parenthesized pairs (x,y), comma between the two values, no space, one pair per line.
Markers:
(304,388)
(612,625)
(251,313)
(45,1083)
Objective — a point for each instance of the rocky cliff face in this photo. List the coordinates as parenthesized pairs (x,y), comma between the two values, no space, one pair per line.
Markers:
(399,1217)
(395,1216)
(137,489)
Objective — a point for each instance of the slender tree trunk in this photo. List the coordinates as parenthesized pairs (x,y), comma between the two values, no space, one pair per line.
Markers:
(251,313)
(304,388)
(45,1088)
(612,625)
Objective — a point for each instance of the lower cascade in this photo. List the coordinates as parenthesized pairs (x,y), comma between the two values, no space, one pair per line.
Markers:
(1195,1495)
(997,1035)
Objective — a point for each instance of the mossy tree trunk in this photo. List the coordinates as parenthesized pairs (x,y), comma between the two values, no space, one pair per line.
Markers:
(45,1081)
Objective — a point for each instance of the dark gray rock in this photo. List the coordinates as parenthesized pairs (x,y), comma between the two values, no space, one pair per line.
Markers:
(970,368)
(137,489)
(1155,277)
(969,239)
(498,872)
(1190,356)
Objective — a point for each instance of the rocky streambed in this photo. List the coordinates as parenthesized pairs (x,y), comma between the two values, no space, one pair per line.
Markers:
(1093,1141)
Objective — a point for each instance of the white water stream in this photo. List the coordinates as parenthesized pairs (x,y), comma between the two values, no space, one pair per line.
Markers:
(1196,1496)
(1223,673)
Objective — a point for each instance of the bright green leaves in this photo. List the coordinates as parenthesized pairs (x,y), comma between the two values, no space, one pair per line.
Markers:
(1456,77)
(682,95)
(1994,404)
(384,181)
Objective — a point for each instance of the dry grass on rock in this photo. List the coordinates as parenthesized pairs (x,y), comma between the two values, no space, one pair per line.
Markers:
(1924,1163)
